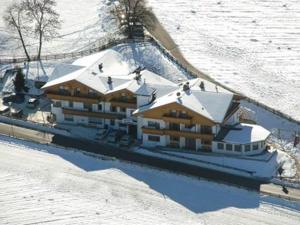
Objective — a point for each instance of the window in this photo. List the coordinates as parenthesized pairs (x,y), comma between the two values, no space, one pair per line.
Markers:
(247,148)
(92,93)
(255,147)
(153,124)
(71,104)
(206,142)
(173,113)
(57,104)
(183,114)
(220,146)
(237,148)
(229,147)
(154,138)
(69,118)
(206,129)
(99,107)
(114,109)
(189,126)
(174,139)
(123,109)
(77,91)
(87,106)
(174,126)
(112,122)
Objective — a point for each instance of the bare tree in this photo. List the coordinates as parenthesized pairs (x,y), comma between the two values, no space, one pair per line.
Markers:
(44,18)
(132,13)
(16,20)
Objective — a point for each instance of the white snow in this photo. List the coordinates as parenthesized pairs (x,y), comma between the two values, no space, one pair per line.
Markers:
(43,184)
(84,23)
(250,46)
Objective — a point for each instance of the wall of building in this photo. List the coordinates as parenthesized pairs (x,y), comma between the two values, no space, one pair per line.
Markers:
(252,151)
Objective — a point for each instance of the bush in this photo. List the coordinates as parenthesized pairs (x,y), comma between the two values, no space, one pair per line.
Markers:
(19,81)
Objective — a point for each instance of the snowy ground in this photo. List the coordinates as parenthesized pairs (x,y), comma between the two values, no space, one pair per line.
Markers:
(83,24)
(42,184)
(250,46)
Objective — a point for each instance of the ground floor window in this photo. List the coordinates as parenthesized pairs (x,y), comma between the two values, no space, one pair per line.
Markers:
(255,146)
(237,148)
(247,148)
(154,138)
(69,118)
(220,146)
(229,147)
(112,122)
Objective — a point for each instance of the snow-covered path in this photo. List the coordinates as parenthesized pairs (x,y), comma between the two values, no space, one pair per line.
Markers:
(250,46)
(56,186)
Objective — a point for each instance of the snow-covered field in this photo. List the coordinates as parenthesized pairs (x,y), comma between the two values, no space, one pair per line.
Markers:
(83,24)
(42,184)
(251,46)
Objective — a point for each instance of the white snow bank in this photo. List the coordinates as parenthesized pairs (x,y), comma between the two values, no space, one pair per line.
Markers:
(58,186)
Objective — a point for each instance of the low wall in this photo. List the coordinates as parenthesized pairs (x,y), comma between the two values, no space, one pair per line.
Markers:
(35,126)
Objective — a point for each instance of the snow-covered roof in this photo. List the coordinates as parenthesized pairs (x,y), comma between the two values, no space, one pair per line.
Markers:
(246,133)
(86,71)
(211,105)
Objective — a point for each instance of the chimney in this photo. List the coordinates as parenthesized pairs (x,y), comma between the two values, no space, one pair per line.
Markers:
(186,86)
(109,80)
(100,66)
(202,86)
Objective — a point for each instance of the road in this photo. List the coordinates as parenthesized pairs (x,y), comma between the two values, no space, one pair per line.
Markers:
(46,138)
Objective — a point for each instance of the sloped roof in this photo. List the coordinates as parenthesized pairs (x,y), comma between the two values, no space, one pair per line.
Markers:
(208,104)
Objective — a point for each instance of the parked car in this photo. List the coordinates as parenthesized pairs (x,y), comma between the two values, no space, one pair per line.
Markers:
(16,112)
(16,98)
(32,103)
(101,134)
(114,136)
(4,110)
(126,140)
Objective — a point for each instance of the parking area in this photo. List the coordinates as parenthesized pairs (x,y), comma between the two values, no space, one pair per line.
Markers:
(117,138)
(26,107)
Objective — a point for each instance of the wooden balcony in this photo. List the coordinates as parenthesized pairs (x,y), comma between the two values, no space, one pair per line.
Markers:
(178,120)
(104,115)
(148,130)
(177,133)
(188,134)
(75,98)
(131,105)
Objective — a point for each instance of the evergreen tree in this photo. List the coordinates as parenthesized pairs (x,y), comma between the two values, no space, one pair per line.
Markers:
(19,81)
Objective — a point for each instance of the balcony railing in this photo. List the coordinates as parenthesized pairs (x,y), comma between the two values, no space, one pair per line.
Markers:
(178,133)
(90,113)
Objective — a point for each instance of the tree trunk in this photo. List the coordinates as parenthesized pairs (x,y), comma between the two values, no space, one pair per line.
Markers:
(40,46)
(24,46)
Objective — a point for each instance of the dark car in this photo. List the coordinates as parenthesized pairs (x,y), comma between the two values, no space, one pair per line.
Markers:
(114,136)
(32,103)
(15,98)
(16,112)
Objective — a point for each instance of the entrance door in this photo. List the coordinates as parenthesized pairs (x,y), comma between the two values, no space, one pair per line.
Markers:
(132,130)
(190,144)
